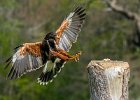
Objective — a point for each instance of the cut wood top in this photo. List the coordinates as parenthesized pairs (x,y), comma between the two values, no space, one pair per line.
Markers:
(107,63)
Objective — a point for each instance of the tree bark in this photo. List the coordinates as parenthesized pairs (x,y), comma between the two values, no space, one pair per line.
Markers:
(108,80)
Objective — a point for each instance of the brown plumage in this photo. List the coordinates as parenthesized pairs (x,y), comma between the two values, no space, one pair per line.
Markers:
(31,48)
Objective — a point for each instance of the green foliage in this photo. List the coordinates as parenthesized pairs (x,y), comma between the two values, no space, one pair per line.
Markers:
(7,4)
(97,4)
(104,35)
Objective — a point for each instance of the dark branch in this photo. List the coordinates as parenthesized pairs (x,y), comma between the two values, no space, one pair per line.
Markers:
(117,8)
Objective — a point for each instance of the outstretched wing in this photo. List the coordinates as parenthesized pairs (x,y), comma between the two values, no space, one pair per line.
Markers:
(28,57)
(67,33)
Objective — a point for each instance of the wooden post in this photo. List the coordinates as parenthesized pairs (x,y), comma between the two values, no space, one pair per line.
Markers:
(108,80)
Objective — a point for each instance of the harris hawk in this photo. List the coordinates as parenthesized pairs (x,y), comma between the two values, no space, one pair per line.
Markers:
(51,53)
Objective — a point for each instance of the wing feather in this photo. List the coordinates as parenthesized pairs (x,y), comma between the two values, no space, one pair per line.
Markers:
(27,58)
(67,33)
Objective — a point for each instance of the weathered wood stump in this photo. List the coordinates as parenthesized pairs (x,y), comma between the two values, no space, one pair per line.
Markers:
(108,80)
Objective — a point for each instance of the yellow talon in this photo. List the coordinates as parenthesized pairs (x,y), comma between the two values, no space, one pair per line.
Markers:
(76,57)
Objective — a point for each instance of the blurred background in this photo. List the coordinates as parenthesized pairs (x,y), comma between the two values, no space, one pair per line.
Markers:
(108,32)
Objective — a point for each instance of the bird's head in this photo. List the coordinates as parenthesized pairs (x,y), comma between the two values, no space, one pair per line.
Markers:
(50,35)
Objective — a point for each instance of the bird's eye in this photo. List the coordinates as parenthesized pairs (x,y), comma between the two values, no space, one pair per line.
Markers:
(54,34)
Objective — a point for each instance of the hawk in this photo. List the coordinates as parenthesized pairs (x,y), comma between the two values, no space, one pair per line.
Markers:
(51,53)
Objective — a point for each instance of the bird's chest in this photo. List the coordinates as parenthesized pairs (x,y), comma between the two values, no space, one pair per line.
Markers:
(50,45)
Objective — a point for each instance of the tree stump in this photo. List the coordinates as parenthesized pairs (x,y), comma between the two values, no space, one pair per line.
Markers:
(108,80)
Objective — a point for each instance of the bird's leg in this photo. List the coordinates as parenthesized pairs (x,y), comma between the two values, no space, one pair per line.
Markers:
(65,56)
(62,54)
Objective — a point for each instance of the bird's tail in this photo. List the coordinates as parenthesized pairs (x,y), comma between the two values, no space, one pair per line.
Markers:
(50,71)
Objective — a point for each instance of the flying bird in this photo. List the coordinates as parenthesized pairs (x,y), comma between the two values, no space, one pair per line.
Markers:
(51,53)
